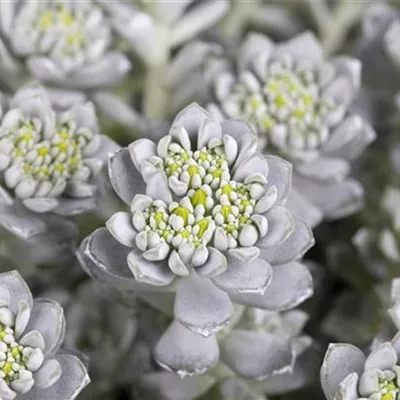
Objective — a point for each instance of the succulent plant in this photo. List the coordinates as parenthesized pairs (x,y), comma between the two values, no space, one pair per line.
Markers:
(49,163)
(32,365)
(62,43)
(300,105)
(347,373)
(211,227)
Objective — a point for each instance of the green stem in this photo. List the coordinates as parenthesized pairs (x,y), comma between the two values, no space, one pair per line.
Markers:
(156,93)
(333,27)
(233,26)
(347,14)
(320,13)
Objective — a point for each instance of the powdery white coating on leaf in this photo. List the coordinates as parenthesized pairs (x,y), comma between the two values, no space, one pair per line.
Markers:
(32,333)
(186,353)
(256,355)
(340,361)
(201,306)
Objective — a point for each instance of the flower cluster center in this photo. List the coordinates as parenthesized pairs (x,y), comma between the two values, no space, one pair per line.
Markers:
(207,165)
(67,24)
(388,387)
(211,205)
(288,105)
(235,207)
(176,225)
(13,357)
(45,159)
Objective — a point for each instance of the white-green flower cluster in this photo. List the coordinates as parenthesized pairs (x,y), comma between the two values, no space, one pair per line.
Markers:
(174,225)
(300,103)
(386,386)
(45,154)
(62,30)
(39,162)
(346,370)
(214,209)
(62,43)
(188,169)
(31,333)
(17,362)
(202,198)
(288,106)
(207,226)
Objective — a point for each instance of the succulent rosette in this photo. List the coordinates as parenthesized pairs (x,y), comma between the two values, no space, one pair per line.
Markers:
(32,365)
(347,373)
(62,43)
(49,166)
(300,105)
(211,226)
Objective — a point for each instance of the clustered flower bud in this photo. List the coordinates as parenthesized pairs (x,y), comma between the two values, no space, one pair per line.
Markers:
(287,105)
(31,333)
(18,362)
(38,159)
(213,208)
(70,33)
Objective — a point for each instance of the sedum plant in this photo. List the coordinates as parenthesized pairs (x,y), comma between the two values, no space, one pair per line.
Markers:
(207,222)
(64,44)
(49,165)
(32,365)
(347,373)
(301,106)
(69,47)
